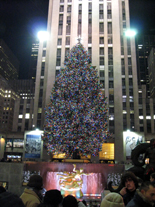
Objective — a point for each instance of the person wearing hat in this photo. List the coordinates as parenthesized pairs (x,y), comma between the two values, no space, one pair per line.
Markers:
(32,196)
(112,200)
(52,198)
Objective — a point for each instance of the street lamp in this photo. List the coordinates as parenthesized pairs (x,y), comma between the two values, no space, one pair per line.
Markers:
(43,35)
(130,33)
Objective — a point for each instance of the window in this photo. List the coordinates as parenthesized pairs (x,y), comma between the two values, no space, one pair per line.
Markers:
(109,13)
(60,18)
(123,91)
(111,110)
(67,40)
(123,70)
(130,82)
(80,7)
(124,24)
(101,28)
(101,16)
(140,112)
(69,0)
(57,72)
(66,52)
(69,8)
(69,19)
(90,7)
(68,28)
(60,29)
(61,1)
(122,61)
(102,83)
(129,50)
(130,70)
(89,28)
(123,11)
(90,51)
(61,9)
(101,60)
(110,69)
(109,39)
(124,106)
(100,6)
(109,27)
(122,50)
(111,84)
(89,39)
(44,53)
(111,122)
(111,98)
(59,41)
(58,62)
(79,28)
(101,50)
(123,81)
(131,105)
(101,40)
(129,61)
(58,52)
(101,73)
(110,56)
(41,82)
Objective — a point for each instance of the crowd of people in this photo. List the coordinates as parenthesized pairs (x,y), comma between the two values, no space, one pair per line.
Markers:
(132,194)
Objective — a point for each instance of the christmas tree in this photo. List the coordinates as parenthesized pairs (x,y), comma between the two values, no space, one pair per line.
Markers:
(76,117)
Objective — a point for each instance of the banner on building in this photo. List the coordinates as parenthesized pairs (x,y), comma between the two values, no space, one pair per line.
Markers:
(33,146)
(132,139)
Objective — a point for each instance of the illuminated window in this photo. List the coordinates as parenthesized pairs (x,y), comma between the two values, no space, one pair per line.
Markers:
(20,116)
(27,116)
(107,152)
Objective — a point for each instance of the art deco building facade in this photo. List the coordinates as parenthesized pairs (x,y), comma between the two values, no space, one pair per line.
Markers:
(144,45)
(9,65)
(101,25)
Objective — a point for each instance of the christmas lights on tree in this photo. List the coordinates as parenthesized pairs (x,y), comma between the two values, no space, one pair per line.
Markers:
(76,117)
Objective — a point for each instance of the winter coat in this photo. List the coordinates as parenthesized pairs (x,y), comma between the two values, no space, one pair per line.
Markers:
(139,201)
(128,196)
(30,198)
(112,200)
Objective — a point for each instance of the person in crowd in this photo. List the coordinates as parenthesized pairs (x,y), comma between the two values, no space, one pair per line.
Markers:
(70,201)
(152,177)
(2,189)
(112,200)
(130,183)
(144,196)
(32,196)
(52,198)
(8,199)
(84,202)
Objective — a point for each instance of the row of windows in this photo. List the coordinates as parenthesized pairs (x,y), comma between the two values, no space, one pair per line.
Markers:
(101,40)
(129,70)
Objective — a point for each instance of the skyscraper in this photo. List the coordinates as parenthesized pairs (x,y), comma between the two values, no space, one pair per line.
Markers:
(9,64)
(100,25)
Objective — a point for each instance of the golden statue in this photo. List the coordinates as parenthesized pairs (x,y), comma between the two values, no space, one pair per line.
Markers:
(71,182)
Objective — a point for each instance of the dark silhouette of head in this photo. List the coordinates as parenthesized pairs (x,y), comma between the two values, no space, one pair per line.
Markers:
(53,197)
(69,201)
(35,181)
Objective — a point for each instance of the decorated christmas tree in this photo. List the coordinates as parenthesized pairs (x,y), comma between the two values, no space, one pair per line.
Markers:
(76,117)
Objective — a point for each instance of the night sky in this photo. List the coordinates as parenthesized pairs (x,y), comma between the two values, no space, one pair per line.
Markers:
(20,20)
